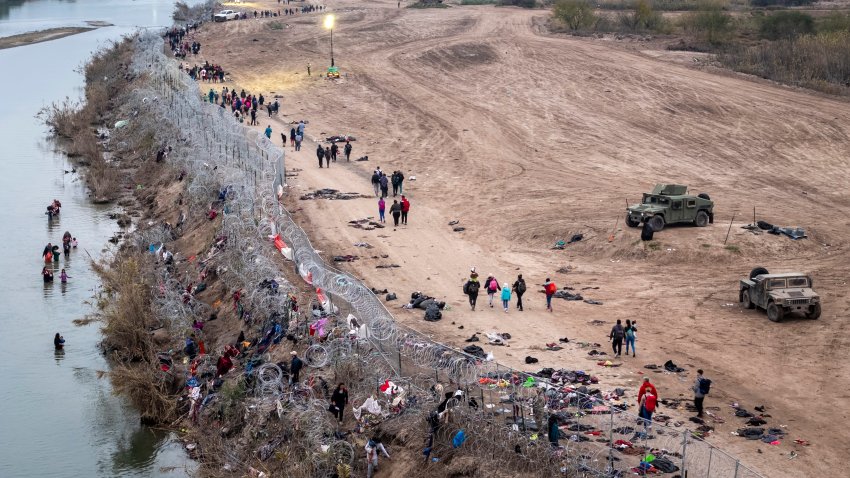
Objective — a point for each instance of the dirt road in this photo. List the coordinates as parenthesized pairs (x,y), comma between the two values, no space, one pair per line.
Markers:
(527,139)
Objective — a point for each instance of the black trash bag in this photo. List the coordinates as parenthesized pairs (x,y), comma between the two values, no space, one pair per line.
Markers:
(646,233)
(391,296)
(665,465)
(765,226)
(531,359)
(751,433)
(433,314)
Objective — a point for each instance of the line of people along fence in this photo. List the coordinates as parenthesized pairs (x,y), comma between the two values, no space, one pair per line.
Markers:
(249,163)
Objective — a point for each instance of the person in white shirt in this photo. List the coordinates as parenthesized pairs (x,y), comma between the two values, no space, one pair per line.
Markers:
(374,446)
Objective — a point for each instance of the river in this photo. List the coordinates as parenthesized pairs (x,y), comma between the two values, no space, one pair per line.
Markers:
(58,418)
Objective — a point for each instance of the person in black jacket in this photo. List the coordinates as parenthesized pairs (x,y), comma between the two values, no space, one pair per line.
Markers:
(339,399)
(471,289)
(347,151)
(320,152)
(519,289)
(334,151)
(295,368)
(396,178)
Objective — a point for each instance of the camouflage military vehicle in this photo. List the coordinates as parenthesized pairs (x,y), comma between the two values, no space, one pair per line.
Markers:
(671,204)
(780,294)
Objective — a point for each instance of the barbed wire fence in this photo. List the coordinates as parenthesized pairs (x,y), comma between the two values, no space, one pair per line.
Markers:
(242,174)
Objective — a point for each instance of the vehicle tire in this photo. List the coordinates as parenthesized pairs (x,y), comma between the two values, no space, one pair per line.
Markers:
(774,312)
(646,233)
(704,196)
(814,314)
(630,222)
(702,219)
(757,272)
(745,300)
(656,222)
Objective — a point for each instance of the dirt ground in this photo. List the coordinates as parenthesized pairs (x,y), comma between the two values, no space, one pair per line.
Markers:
(527,139)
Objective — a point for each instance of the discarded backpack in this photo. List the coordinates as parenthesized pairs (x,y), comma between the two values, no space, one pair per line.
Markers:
(433,314)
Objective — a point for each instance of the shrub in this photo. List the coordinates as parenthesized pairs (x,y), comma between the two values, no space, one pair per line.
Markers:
(786,25)
(479,2)
(519,3)
(576,14)
(835,22)
(712,25)
(643,18)
(780,3)
(820,62)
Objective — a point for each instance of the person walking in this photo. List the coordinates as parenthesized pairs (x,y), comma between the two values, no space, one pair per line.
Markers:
(295,366)
(291,137)
(308,69)
(395,210)
(701,389)
(549,288)
(381,208)
(519,289)
(334,151)
(405,208)
(396,181)
(631,336)
(506,296)
(492,286)
(646,386)
(347,150)
(327,156)
(253,118)
(320,153)
(647,407)
(616,336)
(298,139)
(471,288)
(384,185)
(376,182)
(339,399)
(269,131)
(373,446)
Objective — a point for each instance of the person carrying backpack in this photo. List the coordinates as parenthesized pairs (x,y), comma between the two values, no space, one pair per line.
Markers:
(701,389)
(471,288)
(492,286)
(519,289)
(617,335)
(550,288)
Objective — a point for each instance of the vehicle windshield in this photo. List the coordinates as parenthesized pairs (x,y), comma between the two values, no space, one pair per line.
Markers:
(776,284)
(798,282)
(656,200)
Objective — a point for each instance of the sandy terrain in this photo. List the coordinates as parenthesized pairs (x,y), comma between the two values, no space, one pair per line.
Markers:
(43,35)
(527,139)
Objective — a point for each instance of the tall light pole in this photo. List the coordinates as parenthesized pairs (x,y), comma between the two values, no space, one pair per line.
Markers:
(329,24)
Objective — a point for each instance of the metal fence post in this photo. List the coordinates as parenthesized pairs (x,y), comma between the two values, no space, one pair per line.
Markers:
(737,466)
(684,451)
(611,440)
(710,453)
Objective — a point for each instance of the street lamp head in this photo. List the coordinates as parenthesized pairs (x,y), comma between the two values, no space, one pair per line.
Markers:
(329,21)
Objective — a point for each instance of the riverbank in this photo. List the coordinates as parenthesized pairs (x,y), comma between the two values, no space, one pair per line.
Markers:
(42,36)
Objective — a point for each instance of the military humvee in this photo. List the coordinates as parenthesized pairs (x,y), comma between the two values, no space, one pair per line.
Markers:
(671,204)
(780,294)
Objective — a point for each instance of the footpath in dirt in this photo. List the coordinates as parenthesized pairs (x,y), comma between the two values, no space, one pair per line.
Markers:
(527,140)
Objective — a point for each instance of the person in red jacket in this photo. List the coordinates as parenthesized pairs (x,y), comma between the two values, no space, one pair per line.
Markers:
(647,407)
(550,288)
(405,207)
(644,387)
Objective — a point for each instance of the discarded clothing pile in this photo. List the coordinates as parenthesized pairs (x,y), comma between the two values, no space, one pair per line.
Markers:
(418,300)
(346,258)
(475,351)
(340,138)
(671,367)
(561,244)
(751,433)
(794,233)
(567,295)
(328,193)
(498,339)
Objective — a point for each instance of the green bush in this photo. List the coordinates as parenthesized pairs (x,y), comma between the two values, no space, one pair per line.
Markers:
(519,3)
(643,18)
(786,25)
(576,14)
(713,26)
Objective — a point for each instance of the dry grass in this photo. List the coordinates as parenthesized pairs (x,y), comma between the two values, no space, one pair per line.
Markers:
(126,309)
(149,393)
